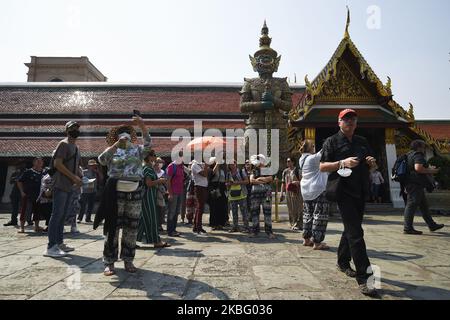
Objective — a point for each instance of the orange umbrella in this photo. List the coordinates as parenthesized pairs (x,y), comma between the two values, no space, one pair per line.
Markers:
(203,142)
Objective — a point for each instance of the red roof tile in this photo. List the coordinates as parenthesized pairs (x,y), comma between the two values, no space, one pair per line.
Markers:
(19,126)
(97,100)
(89,147)
(437,131)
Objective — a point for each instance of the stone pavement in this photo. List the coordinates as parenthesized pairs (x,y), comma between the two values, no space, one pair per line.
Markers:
(230,266)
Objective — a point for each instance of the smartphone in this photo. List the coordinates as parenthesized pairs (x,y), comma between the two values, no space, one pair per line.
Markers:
(137,113)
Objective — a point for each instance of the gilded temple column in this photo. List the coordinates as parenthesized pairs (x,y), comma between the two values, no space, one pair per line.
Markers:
(310,134)
(391,156)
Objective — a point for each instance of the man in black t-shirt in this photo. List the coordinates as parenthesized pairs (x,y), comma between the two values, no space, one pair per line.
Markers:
(350,151)
(15,196)
(29,185)
(415,184)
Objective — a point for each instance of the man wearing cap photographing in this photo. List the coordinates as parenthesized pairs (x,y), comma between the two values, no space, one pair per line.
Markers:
(66,161)
(348,158)
(89,190)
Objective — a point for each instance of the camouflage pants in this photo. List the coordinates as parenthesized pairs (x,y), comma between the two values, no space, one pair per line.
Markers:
(258,200)
(128,213)
(235,205)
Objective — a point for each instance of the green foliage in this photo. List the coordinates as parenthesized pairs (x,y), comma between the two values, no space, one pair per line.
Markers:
(443,176)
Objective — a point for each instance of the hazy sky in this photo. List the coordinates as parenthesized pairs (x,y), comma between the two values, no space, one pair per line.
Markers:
(210,40)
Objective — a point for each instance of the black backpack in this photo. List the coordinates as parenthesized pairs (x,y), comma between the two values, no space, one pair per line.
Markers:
(52,170)
(401,170)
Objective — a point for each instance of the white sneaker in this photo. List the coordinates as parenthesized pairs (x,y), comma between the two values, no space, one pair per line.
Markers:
(65,248)
(54,252)
(74,230)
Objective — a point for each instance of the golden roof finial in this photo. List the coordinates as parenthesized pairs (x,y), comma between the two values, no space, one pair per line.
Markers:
(388,83)
(411,111)
(346,34)
(388,86)
(307,83)
(264,29)
(264,43)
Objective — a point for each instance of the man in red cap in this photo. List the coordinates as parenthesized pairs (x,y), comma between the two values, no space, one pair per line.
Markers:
(348,158)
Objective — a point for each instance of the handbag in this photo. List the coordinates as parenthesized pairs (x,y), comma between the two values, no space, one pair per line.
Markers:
(332,191)
(215,193)
(292,187)
(430,183)
(259,188)
(127,186)
(235,191)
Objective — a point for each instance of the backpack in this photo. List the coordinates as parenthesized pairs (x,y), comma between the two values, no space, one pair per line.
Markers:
(400,170)
(52,170)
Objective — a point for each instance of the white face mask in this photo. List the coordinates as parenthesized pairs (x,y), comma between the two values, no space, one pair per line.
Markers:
(125,135)
(128,137)
(344,172)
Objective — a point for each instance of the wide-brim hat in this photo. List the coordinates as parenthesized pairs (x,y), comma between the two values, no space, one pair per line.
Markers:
(212,160)
(113,134)
(256,160)
(92,162)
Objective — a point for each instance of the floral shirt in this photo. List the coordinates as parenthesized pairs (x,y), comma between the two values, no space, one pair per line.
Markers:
(126,164)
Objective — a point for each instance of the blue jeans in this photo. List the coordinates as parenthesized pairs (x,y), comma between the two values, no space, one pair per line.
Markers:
(174,209)
(87,202)
(61,203)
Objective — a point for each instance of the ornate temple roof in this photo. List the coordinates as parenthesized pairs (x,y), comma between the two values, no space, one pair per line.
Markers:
(382,93)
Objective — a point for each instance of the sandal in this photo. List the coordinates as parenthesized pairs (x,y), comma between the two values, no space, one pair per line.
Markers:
(272,236)
(162,245)
(308,243)
(321,246)
(129,267)
(38,229)
(109,270)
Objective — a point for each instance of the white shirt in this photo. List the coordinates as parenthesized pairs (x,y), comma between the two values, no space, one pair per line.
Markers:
(199,180)
(376,177)
(313,182)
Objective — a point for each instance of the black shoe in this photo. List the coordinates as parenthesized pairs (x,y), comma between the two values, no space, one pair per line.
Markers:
(88,220)
(412,231)
(203,231)
(10,223)
(370,292)
(30,223)
(174,234)
(436,227)
(349,272)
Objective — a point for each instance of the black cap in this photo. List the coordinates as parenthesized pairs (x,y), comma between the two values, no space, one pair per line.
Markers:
(72,124)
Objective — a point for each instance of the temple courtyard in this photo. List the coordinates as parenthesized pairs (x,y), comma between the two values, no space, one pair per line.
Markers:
(226,265)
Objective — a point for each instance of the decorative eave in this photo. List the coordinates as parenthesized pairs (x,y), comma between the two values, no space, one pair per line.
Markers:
(440,147)
(314,88)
